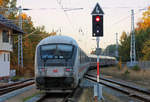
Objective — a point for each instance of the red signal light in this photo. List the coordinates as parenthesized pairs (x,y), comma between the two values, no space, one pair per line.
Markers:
(98,18)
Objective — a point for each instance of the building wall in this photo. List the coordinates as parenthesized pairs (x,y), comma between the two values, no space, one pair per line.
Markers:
(5,49)
(4,64)
(6,46)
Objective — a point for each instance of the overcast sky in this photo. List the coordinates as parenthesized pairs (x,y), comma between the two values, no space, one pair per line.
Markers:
(116,19)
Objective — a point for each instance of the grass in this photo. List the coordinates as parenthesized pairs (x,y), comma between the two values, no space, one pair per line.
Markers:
(110,97)
(16,78)
(140,77)
(87,95)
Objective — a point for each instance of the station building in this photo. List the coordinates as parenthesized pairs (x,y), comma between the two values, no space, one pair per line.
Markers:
(7,31)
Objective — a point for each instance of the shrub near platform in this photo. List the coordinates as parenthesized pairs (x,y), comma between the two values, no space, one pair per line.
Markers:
(136,68)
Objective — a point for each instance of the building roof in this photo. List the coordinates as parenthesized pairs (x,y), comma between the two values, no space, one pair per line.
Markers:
(9,24)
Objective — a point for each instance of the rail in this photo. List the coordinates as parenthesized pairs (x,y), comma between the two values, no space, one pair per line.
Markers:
(132,91)
(61,97)
(14,86)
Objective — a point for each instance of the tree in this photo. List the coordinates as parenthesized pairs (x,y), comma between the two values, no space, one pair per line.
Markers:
(123,37)
(110,50)
(30,39)
(144,23)
(124,47)
(6,8)
(142,35)
(146,50)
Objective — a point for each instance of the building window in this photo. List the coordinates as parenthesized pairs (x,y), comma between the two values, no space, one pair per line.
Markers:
(5,36)
(4,57)
(8,57)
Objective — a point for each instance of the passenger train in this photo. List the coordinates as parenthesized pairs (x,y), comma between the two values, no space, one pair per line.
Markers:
(103,61)
(60,64)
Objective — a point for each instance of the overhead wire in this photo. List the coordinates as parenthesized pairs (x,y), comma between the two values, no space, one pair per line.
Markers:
(70,9)
(67,16)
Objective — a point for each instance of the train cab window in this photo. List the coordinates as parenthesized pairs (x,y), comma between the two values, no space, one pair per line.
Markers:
(57,51)
(65,51)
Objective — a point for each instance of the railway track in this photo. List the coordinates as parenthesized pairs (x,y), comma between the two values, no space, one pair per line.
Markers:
(131,91)
(14,86)
(54,98)
(62,97)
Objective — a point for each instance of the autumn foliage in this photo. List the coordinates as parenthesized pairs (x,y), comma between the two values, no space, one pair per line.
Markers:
(145,21)
(142,40)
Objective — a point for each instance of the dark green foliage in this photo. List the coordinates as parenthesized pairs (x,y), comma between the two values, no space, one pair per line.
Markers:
(126,74)
(142,40)
(110,50)
(124,48)
(141,37)
(136,68)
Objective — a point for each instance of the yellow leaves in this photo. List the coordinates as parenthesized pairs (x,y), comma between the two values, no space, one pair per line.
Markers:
(24,16)
(145,21)
(1,2)
(123,36)
(4,3)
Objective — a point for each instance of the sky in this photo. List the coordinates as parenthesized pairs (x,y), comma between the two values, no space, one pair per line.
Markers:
(78,23)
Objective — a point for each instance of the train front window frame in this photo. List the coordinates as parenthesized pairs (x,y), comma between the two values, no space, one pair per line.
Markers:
(56,51)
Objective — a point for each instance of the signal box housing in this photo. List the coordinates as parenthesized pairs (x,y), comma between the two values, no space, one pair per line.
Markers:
(97,25)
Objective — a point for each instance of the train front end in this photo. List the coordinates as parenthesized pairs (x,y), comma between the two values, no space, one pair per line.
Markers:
(55,67)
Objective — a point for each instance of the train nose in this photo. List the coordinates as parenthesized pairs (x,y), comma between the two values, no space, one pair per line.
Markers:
(40,80)
(68,80)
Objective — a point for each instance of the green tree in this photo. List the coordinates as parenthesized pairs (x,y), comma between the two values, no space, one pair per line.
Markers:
(110,50)
(146,50)
(142,35)
(124,48)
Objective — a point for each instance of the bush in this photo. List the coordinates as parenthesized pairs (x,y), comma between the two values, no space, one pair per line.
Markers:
(136,68)
(16,78)
(126,73)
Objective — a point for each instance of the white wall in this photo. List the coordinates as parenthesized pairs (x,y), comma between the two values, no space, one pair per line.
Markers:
(5,49)
(5,46)
(4,65)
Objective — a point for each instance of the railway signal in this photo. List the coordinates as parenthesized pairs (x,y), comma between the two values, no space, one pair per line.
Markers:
(97,27)
(97,31)
(97,21)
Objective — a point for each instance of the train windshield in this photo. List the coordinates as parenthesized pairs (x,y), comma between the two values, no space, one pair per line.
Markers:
(57,51)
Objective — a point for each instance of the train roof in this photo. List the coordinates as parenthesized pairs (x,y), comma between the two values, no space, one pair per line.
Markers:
(58,39)
(101,56)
